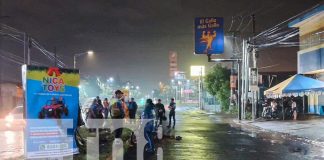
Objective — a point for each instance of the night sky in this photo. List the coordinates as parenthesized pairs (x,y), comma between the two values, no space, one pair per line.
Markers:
(131,38)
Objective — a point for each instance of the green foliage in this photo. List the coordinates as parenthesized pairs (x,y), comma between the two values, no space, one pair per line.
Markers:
(233,110)
(248,115)
(218,84)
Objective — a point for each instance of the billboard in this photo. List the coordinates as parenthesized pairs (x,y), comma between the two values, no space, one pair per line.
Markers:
(173,64)
(196,71)
(51,111)
(209,35)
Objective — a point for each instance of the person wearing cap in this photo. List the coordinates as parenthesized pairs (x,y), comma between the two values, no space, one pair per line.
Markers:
(160,111)
(172,108)
(117,111)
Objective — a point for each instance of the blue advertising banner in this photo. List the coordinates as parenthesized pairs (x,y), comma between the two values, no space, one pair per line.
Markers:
(51,111)
(209,35)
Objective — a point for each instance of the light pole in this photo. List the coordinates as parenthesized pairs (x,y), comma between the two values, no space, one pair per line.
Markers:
(90,53)
(179,90)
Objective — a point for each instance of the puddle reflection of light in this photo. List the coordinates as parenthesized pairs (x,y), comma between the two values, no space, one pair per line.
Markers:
(10,137)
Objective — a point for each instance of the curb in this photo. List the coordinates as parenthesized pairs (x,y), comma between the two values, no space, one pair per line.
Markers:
(249,127)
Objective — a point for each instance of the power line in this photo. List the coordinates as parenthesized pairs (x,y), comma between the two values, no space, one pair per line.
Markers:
(19,36)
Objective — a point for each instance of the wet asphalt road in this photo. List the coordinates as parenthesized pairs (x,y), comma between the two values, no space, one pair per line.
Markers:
(11,141)
(204,137)
(211,137)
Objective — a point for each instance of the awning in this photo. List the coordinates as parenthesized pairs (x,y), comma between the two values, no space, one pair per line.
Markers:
(296,85)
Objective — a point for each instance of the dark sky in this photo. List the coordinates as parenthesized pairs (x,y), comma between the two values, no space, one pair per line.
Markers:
(132,38)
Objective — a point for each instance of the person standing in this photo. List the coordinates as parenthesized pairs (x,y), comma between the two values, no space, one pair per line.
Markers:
(149,127)
(117,112)
(125,107)
(92,113)
(132,108)
(172,108)
(294,109)
(160,111)
(106,108)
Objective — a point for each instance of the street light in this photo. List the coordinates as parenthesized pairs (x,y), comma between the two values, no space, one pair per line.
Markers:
(111,79)
(89,53)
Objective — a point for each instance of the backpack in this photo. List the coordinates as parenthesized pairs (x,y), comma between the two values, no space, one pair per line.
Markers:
(97,110)
(115,111)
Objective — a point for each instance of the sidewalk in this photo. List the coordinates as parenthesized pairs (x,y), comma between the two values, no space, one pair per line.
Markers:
(311,130)
(212,108)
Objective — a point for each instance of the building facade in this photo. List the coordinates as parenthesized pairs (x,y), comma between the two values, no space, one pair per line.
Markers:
(311,51)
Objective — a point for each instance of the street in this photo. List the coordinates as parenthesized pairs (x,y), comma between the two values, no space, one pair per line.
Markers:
(11,146)
(204,136)
(210,136)
(243,80)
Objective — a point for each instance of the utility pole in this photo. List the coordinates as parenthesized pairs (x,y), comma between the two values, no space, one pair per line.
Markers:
(28,49)
(55,59)
(24,48)
(254,91)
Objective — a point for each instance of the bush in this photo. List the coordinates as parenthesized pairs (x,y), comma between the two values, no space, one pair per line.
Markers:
(248,115)
(218,84)
(233,110)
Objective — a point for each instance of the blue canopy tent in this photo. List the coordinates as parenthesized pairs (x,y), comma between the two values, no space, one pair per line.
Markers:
(296,85)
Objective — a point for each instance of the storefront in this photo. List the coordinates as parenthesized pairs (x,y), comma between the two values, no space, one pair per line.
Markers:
(311,51)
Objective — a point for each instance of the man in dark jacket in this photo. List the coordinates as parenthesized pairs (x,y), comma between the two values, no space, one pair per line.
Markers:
(160,111)
(132,107)
(118,112)
(172,108)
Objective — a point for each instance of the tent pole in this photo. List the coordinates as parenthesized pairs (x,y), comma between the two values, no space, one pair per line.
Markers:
(304,106)
(283,109)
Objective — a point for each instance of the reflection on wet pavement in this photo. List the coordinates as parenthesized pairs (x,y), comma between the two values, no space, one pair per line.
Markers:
(11,146)
(208,136)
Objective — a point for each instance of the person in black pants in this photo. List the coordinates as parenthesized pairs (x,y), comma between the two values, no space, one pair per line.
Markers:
(172,108)
(132,107)
(160,111)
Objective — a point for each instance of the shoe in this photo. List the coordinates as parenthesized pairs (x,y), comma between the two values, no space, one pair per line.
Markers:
(178,138)
(173,127)
(168,126)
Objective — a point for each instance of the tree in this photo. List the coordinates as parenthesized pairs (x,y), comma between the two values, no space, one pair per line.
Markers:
(218,84)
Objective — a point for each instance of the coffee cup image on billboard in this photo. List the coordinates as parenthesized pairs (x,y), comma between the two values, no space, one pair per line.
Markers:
(54,108)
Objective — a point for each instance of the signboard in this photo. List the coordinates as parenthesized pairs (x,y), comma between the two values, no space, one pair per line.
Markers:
(209,35)
(233,80)
(178,75)
(254,79)
(196,71)
(173,64)
(51,101)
